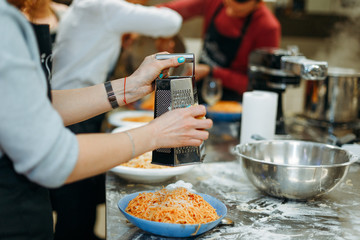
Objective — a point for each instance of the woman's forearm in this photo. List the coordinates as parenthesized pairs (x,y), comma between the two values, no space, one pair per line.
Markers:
(76,105)
(101,152)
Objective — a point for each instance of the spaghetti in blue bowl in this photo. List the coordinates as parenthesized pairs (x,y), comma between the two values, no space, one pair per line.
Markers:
(174,229)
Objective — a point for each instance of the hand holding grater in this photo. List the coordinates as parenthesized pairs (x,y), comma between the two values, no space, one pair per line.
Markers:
(171,93)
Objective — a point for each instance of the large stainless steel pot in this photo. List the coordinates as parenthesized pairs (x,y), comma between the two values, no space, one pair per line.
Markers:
(335,99)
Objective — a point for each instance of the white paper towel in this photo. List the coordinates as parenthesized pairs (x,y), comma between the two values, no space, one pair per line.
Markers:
(258,115)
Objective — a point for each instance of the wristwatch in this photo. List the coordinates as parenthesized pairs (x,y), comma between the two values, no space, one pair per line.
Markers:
(111,95)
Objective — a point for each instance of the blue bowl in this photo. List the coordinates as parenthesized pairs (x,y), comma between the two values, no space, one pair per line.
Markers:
(224,117)
(172,229)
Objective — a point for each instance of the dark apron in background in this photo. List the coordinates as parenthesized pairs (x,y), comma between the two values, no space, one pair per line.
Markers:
(45,47)
(25,209)
(220,51)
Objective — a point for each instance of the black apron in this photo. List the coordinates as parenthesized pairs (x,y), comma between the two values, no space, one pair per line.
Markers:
(220,51)
(25,209)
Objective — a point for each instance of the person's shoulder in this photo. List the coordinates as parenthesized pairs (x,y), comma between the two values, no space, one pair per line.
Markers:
(7,10)
(18,33)
(85,9)
(11,18)
(265,17)
(91,6)
(87,4)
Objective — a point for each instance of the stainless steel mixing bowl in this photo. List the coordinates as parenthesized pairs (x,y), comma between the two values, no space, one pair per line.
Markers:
(290,169)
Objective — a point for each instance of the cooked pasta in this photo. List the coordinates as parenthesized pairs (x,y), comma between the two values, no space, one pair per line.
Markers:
(226,107)
(142,161)
(143,118)
(172,206)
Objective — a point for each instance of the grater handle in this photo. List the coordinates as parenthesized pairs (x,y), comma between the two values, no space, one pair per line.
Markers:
(189,57)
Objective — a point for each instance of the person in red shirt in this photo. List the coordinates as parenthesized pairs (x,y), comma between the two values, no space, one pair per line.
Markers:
(232,29)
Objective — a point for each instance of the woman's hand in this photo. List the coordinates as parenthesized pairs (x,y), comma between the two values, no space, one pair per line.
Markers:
(140,83)
(181,127)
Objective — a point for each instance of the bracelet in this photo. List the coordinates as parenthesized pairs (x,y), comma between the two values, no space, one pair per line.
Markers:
(111,95)
(132,143)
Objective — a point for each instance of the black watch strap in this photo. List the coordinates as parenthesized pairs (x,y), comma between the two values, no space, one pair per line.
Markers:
(111,95)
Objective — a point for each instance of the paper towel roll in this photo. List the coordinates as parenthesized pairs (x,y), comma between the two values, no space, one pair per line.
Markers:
(258,115)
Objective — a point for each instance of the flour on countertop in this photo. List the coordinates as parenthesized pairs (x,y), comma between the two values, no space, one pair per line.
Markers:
(258,216)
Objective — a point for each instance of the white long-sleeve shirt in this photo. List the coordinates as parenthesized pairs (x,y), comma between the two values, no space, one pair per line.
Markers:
(32,133)
(89,38)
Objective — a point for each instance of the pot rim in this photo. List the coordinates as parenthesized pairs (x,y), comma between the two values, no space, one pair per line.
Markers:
(352,157)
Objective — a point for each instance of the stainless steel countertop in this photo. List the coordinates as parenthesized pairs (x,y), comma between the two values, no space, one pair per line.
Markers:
(256,216)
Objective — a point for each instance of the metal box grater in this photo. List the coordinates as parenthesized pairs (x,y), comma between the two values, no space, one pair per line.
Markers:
(171,93)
